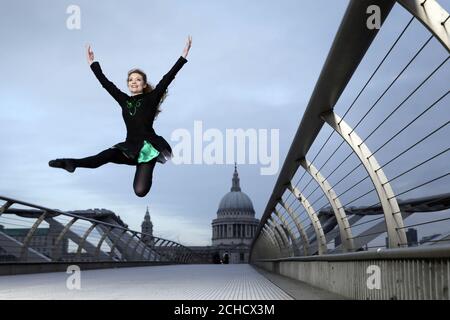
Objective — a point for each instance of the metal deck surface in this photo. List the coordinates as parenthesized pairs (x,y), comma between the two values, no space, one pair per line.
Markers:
(174,282)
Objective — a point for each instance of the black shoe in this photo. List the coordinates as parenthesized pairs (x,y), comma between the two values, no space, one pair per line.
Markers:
(65,164)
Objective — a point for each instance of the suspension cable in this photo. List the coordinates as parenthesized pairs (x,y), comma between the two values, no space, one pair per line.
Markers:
(413,145)
(391,84)
(362,90)
(422,184)
(379,65)
(420,164)
(406,99)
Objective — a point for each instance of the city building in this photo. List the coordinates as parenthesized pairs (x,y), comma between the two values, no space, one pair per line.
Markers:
(235,226)
(147,229)
(411,238)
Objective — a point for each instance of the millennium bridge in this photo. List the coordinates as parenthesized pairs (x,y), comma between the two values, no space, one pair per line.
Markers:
(367,172)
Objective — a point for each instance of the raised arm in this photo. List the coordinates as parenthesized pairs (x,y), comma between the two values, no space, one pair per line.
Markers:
(118,95)
(169,76)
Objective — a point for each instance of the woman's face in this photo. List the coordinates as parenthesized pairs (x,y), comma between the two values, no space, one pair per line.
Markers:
(136,83)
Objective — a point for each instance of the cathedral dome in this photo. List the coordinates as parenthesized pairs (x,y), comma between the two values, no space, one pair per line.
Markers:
(236,201)
(235,226)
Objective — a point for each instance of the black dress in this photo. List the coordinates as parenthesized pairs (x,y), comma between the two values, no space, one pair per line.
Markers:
(138,113)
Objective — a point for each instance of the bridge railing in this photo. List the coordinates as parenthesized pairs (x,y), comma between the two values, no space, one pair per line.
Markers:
(32,233)
(368,168)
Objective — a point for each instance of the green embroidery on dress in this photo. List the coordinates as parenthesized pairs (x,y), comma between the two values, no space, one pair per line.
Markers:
(132,106)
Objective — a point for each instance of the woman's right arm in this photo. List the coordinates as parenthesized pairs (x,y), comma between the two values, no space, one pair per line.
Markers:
(118,95)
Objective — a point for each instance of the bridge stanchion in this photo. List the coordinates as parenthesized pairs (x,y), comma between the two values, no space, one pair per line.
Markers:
(318,230)
(432,16)
(5,206)
(187,256)
(55,252)
(289,233)
(275,240)
(125,250)
(27,240)
(115,242)
(145,250)
(139,242)
(276,233)
(339,212)
(298,224)
(149,250)
(270,249)
(183,255)
(105,234)
(264,244)
(271,240)
(176,255)
(169,252)
(177,252)
(83,240)
(282,232)
(392,214)
(158,243)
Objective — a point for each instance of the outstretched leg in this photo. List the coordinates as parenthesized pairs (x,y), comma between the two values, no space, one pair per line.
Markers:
(109,155)
(143,177)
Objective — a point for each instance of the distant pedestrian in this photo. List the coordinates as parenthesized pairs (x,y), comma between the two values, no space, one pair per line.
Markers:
(226,258)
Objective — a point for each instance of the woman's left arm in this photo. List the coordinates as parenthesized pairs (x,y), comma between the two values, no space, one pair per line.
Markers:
(161,87)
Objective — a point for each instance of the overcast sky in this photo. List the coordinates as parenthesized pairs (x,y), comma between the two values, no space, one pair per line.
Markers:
(253,65)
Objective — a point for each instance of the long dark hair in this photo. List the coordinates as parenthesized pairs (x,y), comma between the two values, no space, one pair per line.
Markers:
(148,88)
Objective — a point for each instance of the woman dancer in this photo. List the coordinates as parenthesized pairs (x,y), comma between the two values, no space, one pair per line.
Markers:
(142,147)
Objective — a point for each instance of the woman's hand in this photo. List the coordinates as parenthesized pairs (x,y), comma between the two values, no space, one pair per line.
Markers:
(187,47)
(89,54)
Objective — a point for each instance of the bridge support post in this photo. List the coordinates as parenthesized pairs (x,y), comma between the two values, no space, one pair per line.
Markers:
(339,212)
(274,238)
(392,215)
(105,234)
(295,250)
(279,236)
(125,250)
(298,224)
(318,230)
(432,16)
(117,239)
(273,244)
(27,240)
(6,206)
(83,240)
(55,254)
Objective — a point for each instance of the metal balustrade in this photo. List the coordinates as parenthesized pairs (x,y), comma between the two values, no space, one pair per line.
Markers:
(368,168)
(368,165)
(32,233)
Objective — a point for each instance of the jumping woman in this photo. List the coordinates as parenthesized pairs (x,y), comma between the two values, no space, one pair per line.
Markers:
(142,147)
